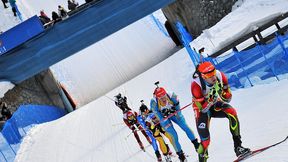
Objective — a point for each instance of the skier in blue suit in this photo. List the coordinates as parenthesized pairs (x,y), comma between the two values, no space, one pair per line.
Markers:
(164,104)
(154,143)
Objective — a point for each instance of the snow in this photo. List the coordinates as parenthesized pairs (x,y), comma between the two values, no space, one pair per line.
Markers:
(4,87)
(114,60)
(95,133)
(254,13)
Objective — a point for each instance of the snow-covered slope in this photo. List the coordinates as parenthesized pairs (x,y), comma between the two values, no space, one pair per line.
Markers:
(93,133)
(248,17)
(7,20)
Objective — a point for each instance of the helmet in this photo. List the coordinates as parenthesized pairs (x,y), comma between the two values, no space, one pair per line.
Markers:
(130,115)
(159,92)
(143,108)
(120,100)
(207,70)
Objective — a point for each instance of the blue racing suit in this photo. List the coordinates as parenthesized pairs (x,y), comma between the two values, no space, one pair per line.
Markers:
(172,105)
(142,123)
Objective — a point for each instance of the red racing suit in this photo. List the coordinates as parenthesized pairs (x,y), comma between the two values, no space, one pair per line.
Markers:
(131,124)
(212,101)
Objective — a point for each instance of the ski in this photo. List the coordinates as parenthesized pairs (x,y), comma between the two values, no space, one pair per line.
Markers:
(174,158)
(168,158)
(252,153)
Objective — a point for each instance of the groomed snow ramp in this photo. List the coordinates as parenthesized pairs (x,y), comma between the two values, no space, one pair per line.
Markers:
(72,35)
(26,117)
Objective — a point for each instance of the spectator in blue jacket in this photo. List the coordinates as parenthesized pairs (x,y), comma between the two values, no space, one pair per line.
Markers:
(13,5)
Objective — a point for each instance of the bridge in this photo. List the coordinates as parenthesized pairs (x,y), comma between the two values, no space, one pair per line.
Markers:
(80,30)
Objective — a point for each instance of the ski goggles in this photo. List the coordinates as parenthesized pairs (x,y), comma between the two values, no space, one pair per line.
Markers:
(131,117)
(208,74)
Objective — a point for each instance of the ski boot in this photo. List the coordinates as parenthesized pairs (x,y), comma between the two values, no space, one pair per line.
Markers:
(203,157)
(196,144)
(181,156)
(158,155)
(240,151)
(202,154)
(167,158)
(141,146)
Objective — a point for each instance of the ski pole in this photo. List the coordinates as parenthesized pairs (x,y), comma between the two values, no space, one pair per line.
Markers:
(131,133)
(110,98)
(128,135)
(170,115)
(117,124)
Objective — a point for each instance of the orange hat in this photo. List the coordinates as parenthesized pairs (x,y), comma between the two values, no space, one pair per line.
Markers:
(207,70)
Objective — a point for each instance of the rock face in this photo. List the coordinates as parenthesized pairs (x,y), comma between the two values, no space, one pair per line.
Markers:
(197,15)
(40,89)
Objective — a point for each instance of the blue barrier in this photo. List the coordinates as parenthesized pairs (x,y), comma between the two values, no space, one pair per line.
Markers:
(258,63)
(186,39)
(246,68)
(20,34)
(160,25)
(21,122)
(65,38)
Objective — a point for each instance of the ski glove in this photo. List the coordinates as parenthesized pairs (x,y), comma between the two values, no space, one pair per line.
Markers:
(226,95)
(165,112)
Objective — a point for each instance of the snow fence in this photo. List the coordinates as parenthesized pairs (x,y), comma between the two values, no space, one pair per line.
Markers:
(21,122)
(250,67)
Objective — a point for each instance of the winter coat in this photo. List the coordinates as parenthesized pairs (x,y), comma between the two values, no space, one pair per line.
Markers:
(62,12)
(12,3)
(55,17)
(72,5)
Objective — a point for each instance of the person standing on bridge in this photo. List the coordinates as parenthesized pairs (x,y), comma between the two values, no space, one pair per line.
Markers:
(4,3)
(72,5)
(211,95)
(163,106)
(62,12)
(14,7)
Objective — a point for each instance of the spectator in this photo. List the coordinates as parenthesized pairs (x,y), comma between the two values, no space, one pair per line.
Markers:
(13,5)
(5,112)
(44,18)
(72,5)
(4,3)
(62,12)
(55,17)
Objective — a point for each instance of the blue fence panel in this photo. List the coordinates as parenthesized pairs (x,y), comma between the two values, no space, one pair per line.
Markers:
(20,34)
(6,152)
(21,122)
(246,68)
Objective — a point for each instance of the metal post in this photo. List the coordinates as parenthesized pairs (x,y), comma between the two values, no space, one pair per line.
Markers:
(242,67)
(259,47)
(281,44)
(3,156)
(186,39)
(159,25)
